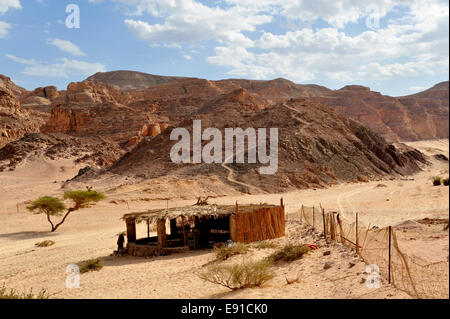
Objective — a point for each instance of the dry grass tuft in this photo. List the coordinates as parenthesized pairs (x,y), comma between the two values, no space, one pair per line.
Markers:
(289,253)
(223,252)
(45,243)
(91,265)
(240,276)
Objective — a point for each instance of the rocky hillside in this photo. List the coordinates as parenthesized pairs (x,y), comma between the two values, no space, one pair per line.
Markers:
(131,80)
(415,117)
(317,147)
(93,151)
(15,122)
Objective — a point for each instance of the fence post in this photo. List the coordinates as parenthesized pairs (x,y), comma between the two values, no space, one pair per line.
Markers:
(389,266)
(356,235)
(313,219)
(324,228)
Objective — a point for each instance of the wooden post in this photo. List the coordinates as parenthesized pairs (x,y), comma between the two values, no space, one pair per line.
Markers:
(184,230)
(389,266)
(281,202)
(131,230)
(148,229)
(161,229)
(356,234)
(324,228)
(302,214)
(313,219)
(237,207)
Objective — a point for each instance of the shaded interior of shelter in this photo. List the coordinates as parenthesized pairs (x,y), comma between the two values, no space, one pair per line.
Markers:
(196,232)
(201,227)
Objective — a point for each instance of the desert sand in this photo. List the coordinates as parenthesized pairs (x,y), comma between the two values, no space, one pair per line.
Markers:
(92,233)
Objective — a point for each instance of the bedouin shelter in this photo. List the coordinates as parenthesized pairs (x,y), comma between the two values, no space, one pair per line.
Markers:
(180,229)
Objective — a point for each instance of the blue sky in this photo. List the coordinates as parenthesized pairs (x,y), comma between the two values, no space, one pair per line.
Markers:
(396,47)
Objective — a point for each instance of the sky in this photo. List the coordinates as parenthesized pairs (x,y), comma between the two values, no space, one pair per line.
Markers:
(396,47)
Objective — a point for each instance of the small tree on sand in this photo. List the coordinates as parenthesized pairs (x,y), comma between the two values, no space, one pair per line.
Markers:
(53,206)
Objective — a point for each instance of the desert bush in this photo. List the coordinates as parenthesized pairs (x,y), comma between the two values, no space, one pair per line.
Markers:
(289,253)
(445,181)
(223,252)
(239,276)
(14,294)
(91,265)
(45,243)
(264,245)
(437,180)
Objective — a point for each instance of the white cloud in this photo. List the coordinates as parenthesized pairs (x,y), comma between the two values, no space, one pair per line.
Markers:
(187,57)
(64,68)
(411,38)
(4,29)
(189,21)
(66,46)
(5,5)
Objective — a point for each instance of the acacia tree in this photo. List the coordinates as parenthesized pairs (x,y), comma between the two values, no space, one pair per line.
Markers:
(53,206)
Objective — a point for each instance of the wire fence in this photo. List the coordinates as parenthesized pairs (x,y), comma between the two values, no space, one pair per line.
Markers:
(380,247)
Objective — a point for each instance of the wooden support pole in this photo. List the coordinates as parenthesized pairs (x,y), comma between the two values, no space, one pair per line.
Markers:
(148,229)
(281,202)
(389,266)
(237,207)
(184,230)
(324,228)
(313,219)
(356,234)
(161,230)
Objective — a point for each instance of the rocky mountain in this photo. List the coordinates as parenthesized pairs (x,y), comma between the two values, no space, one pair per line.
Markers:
(317,147)
(415,117)
(419,116)
(131,80)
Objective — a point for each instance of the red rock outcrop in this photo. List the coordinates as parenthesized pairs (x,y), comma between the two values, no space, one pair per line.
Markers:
(14,121)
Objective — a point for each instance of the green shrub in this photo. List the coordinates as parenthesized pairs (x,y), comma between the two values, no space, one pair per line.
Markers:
(45,243)
(13,294)
(223,252)
(289,253)
(91,265)
(445,181)
(264,245)
(437,181)
(245,275)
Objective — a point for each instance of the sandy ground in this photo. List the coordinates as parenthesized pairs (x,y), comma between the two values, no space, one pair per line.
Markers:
(92,233)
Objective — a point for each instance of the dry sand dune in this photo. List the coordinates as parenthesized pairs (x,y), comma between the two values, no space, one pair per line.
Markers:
(92,233)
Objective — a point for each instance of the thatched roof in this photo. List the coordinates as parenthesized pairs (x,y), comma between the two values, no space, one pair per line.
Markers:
(188,212)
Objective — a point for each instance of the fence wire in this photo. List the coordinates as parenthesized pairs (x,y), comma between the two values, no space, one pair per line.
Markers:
(380,247)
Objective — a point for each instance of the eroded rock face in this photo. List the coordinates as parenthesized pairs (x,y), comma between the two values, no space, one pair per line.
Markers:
(415,117)
(317,147)
(14,121)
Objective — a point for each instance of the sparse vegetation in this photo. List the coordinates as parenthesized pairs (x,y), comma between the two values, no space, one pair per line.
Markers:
(6,293)
(45,243)
(239,276)
(265,244)
(53,206)
(445,181)
(91,265)
(289,253)
(223,252)
(437,180)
